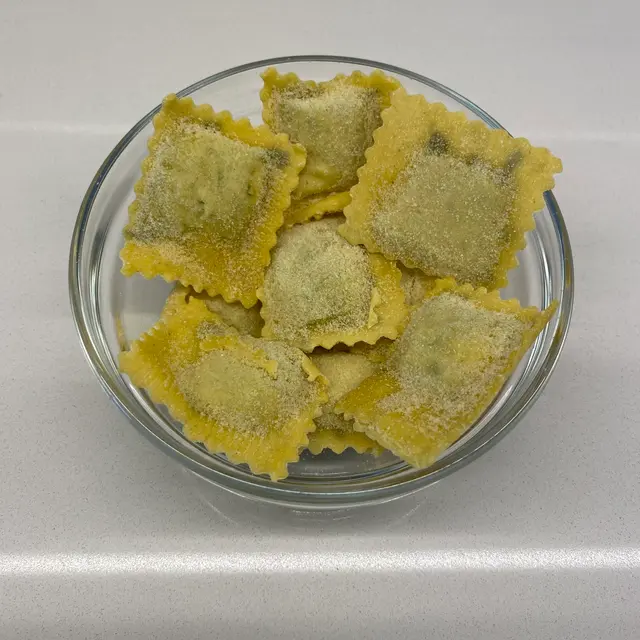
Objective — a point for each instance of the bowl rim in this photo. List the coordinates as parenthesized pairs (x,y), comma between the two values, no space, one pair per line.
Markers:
(260,488)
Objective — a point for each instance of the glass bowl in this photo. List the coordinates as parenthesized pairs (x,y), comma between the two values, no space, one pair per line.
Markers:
(111,310)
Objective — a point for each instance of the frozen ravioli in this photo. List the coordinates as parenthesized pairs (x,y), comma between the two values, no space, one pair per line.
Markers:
(344,371)
(315,207)
(251,399)
(333,120)
(365,227)
(415,284)
(319,290)
(447,195)
(245,321)
(458,349)
(210,200)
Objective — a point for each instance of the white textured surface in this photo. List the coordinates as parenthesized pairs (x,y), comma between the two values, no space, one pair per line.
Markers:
(102,536)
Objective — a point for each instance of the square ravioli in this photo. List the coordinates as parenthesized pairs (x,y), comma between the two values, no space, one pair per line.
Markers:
(251,399)
(319,290)
(333,120)
(344,371)
(447,195)
(458,349)
(210,200)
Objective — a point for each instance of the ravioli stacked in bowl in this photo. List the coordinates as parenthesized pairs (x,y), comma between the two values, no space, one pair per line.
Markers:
(337,270)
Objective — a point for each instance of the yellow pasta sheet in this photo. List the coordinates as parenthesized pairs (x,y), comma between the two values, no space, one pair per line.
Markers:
(320,290)
(210,200)
(333,120)
(459,347)
(250,399)
(447,195)
(344,371)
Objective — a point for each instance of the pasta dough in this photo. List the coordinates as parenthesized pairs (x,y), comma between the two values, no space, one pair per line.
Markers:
(210,200)
(333,120)
(315,207)
(319,290)
(244,321)
(415,285)
(344,371)
(446,195)
(453,358)
(251,399)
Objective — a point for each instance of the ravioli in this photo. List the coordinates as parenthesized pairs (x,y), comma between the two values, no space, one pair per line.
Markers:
(415,284)
(333,120)
(447,195)
(453,358)
(319,290)
(210,200)
(250,399)
(344,371)
(245,321)
(366,227)
(315,207)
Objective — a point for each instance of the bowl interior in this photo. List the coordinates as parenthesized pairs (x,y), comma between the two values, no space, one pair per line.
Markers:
(112,310)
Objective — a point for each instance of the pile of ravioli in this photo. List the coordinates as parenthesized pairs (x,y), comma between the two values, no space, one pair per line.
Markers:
(337,270)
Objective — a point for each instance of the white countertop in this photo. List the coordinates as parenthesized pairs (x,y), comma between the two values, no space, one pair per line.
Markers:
(103,536)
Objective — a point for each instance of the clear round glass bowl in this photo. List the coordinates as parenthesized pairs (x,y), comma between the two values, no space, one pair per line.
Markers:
(111,310)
